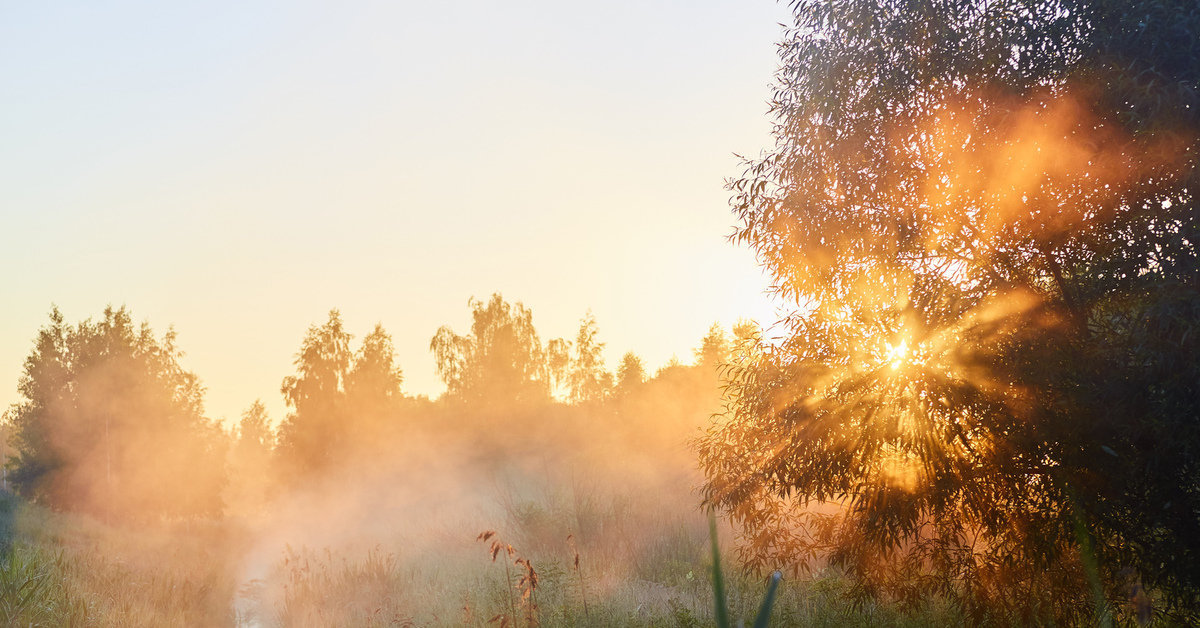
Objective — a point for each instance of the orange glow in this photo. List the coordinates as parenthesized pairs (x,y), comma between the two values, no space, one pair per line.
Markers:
(897,353)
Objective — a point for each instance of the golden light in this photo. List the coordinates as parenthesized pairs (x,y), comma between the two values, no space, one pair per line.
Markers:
(896,354)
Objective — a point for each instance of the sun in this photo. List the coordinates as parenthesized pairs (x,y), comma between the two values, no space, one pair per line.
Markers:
(897,354)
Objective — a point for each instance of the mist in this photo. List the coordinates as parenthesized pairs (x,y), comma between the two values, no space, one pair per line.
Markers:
(364,502)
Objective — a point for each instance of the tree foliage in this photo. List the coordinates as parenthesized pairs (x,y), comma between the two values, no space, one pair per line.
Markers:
(984,216)
(112,425)
(373,395)
(338,398)
(501,362)
(631,373)
(315,427)
(714,348)
(255,438)
(558,362)
(589,380)
(250,461)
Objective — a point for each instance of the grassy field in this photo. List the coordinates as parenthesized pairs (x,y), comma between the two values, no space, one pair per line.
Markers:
(66,570)
(61,570)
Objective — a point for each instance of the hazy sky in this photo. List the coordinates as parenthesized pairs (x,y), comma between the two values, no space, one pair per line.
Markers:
(236,169)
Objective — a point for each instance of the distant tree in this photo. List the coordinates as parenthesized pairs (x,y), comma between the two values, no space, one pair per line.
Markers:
(631,373)
(255,438)
(671,365)
(558,361)
(589,380)
(250,467)
(746,331)
(316,425)
(373,383)
(373,392)
(714,348)
(985,212)
(500,363)
(112,425)
(6,433)
(747,338)
(340,400)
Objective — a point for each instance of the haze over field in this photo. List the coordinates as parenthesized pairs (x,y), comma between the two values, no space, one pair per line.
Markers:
(392,314)
(237,169)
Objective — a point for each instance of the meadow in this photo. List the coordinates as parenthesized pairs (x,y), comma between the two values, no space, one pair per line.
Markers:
(640,567)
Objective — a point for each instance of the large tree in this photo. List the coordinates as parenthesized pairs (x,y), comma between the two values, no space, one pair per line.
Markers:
(111,424)
(983,215)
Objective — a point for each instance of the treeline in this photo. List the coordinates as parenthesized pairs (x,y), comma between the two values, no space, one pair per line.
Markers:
(110,424)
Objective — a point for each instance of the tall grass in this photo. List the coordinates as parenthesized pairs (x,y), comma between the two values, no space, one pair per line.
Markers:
(634,566)
(658,575)
(57,570)
(60,570)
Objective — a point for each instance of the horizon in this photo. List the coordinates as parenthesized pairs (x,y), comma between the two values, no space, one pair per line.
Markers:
(263,166)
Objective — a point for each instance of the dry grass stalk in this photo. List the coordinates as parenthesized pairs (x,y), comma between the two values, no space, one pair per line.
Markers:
(527,582)
(582,585)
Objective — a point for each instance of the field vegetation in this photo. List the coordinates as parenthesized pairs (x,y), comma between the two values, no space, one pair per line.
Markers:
(70,570)
(979,407)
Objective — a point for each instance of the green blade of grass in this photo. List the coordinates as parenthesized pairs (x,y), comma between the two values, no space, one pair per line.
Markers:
(764,612)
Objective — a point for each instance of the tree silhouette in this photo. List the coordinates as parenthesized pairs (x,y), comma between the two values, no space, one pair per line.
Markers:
(631,373)
(588,378)
(500,363)
(373,394)
(714,347)
(985,215)
(255,439)
(111,424)
(316,425)
(340,401)
(558,362)
(250,464)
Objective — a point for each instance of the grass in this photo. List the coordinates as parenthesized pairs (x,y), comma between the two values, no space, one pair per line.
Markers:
(60,570)
(70,571)
(660,576)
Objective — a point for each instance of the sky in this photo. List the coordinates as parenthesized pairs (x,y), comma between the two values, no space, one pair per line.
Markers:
(234,170)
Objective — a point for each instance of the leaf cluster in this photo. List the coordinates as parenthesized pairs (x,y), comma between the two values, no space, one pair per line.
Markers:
(984,217)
